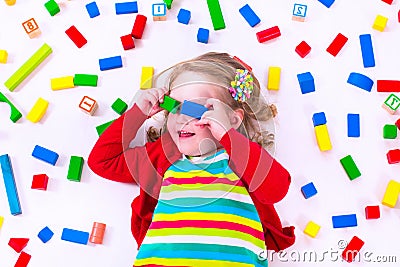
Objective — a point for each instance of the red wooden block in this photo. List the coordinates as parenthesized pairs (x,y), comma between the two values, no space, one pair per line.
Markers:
(393,156)
(388,86)
(352,249)
(268,34)
(303,49)
(40,181)
(76,36)
(372,212)
(127,42)
(23,260)
(388,1)
(337,44)
(398,16)
(397,123)
(18,244)
(138,26)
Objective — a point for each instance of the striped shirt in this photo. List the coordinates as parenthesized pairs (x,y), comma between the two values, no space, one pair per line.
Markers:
(204,217)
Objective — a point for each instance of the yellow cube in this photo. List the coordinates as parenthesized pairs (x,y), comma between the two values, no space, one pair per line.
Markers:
(312,229)
(3,56)
(391,194)
(322,135)
(38,110)
(146,80)
(1,221)
(380,23)
(62,83)
(274,78)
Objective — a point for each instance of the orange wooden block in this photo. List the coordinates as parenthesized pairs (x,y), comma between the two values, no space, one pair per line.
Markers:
(31,28)
(97,234)
(88,105)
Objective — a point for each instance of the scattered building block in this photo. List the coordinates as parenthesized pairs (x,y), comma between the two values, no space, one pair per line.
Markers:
(184,16)
(15,114)
(352,249)
(372,212)
(391,103)
(110,63)
(391,194)
(353,125)
(203,35)
(319,118)
(101,128)
(18,244)
(97,234)
(40,181)
(10,2)
(146,79)
(119,106)
(9,182)
(127,42)
(397,123)
(52,7)
(45,234)
(341,221)
(31,28)
(350,167)
(216,14)
(93,10)
(170,104)
(327,3)
(28,67)
(388,1)
(45,154)
(380,23)
(387,86)
(138,26)
(303,49)
(299,12)
(168,3)
(249,15)
(312,229)
(88,105)
(38,110)
(274,78)
(389,131)
(126,8)
(76,36)
(367,50)
(23,260)
(3,56)
(268,34)
(308,190)
(75,236)
(361,81)
(337,44)
(75,168)
(159,12)
(193,109)
(322,136)
(60,83)
(306,81)
(85,80)
(393,156)
(1,221)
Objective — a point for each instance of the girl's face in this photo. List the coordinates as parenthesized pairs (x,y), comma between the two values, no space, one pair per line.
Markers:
(190,139)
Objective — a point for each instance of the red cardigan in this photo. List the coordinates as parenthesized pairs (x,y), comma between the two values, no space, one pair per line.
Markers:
(265,179)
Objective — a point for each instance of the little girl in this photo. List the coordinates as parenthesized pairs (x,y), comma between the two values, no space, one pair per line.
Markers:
(207,184)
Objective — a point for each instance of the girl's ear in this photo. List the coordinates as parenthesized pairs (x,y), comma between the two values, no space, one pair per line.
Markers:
(237,118)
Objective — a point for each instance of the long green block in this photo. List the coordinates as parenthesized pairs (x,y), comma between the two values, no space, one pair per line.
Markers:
(85,80)
(52,7)
(119,106)
(170,104)
(389,131)
(101,128)
(30,65)
(75,168)
(168,3)
(216,14)
(15,114)
(350,167)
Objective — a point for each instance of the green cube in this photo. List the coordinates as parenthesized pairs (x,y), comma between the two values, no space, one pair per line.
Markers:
(75,168)
(119,106)
(389,131)
(52,7)
(170,104)
(101,128)
(216,14)
(350,167)
(85,80)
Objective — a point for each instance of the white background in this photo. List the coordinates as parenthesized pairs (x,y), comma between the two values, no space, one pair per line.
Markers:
(68,131)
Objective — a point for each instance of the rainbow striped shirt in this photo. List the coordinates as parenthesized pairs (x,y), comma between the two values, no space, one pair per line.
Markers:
(204,217)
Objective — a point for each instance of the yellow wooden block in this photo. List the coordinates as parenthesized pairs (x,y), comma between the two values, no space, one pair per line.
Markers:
(312,229)
(146,80)
(3,56)
(38,110)
(10,2)
(274,78)
(380,23)
(62,83)
(1,221)
(322,135)
(391,194)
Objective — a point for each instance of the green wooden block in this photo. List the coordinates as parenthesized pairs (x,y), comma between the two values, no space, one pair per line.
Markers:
(216,14)
(101,128)
(15,114)
(52,7)
(119,106)
(389,131)
(75,168)
(350,167)
(85,80)
(170,104)
(30,65)
(168,3)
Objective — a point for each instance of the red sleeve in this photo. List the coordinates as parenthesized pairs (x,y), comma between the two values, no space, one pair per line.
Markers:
(267,179)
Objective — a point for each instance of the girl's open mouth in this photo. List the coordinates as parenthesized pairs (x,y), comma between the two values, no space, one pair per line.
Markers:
(185,134)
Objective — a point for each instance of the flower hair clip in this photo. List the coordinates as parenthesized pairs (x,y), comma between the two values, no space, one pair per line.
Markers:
(242,86)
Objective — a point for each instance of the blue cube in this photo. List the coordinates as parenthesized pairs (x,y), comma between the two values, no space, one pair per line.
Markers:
(126,8)
(319,118)
(249,15)
(202,35)
(327,3)
(110,63)
(342,221)
(45,234)
(192,109)
(92,9)
(306,81)
(45,154)
(184,16)
(308,190)
(353,125)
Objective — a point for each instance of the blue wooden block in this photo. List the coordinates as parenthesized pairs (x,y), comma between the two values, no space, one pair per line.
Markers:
(192,109)
(45,154)
(249,15)
(110,63)
(327,3)
(159,10)
(126,8)
(306,81)
(45,234)
(353,125)
(308,190)
(361,81)
(342,221)
(184,16)
(202,35)
(299,10)
(9,182)
(92,9)
(367,51)
(75,236)
(319,118)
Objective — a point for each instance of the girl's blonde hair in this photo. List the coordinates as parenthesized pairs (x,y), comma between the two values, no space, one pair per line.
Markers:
(221,68)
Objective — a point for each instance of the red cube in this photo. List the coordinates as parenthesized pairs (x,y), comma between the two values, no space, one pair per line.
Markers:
(127,42)
(393,156)
(372,212)
(40,181)
(398,124)
(303,49)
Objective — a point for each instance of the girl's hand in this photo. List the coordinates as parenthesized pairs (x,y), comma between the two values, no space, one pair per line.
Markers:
(149,100)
